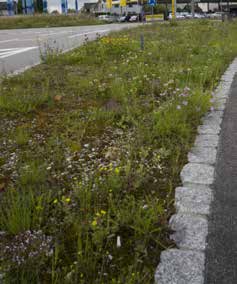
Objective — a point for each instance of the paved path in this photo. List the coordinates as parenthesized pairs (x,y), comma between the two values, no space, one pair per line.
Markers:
(21,48)
(221,254)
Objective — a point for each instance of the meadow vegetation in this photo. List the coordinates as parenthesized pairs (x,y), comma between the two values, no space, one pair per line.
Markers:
(91,147)
(47,21)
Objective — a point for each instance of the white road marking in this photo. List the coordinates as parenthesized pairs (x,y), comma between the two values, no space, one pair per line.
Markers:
(86,33)
(8,40)
(6,52)
(52,33)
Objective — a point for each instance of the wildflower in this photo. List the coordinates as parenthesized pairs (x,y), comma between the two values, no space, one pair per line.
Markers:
(178,107)
(185,103)
(68,200)
(55,201)
(103,212)
(211,108)
(183,95)
(94,223)
(117,170)
(118,242)
(211,100)
(187,89)
(38,208)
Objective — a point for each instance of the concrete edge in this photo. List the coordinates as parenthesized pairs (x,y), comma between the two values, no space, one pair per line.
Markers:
(186,263)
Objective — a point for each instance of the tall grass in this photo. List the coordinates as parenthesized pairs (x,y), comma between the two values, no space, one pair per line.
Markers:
(46,21)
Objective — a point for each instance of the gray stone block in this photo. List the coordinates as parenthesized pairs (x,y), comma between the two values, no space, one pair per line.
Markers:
(209,128)
(220,104)
(207,140)
(193,200)
(197,173)
(190,231)
(180,267)
(221,93)
(203,155)
(214,116)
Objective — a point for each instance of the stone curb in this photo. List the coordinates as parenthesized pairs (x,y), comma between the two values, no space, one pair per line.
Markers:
(185,265)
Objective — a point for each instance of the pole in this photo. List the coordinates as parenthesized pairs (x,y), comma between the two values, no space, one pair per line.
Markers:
(23,7)
(45,6)
(192,8)
(173,9)
(10,7)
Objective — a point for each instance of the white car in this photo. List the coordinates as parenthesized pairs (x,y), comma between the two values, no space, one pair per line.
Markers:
(133,18)
(180,16)
(217,15)
(106,18)
(122,19)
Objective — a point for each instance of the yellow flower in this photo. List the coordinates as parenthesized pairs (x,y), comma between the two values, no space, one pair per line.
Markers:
(38,208)
(94,223)
(55,201)
(117,171)
(103,212)
(97,214)
(67,199)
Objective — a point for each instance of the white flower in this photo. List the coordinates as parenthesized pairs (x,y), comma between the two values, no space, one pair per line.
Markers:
(118,242)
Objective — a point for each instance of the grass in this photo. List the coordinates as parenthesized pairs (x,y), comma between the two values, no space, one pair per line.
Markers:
(91,146)
(46,21)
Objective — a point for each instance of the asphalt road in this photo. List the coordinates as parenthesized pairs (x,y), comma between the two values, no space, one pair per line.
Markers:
(221,254)
(21,49)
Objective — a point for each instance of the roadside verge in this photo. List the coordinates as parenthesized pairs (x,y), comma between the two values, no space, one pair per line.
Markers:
(192,201)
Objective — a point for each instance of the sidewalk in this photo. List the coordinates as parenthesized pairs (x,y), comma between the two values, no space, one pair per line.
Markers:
(221,251)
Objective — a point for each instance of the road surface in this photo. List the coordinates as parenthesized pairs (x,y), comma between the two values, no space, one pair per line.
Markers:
(20,49)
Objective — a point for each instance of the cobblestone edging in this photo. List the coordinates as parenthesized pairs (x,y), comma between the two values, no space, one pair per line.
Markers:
(185,264)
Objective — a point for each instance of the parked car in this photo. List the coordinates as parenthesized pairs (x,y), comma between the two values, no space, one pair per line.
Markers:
(122,19)
(107,18)
(180,16)
(133,18)
(199,16)
(216,15)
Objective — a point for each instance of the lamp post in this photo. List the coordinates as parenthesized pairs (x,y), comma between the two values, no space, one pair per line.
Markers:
(192,8)
(173,9)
